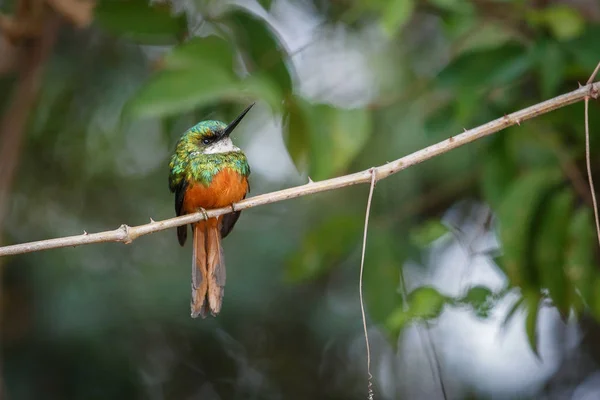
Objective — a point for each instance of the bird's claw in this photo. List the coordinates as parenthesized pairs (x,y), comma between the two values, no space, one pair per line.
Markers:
(203,211)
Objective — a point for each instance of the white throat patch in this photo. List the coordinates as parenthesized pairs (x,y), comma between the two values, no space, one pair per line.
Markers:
(221,146)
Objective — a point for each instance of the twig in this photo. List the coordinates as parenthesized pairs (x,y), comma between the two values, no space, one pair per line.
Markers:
(593,75)
(127,234)
(360,285)
(592,93)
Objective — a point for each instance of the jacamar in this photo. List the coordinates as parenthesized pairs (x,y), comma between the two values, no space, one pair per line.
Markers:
(208,171)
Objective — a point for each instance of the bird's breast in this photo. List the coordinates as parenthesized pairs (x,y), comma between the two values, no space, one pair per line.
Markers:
(226,187)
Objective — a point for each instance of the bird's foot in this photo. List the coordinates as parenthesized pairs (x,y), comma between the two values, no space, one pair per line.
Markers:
(203,211)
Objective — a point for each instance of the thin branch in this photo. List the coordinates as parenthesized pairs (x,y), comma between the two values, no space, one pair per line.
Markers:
(360,285)
(593,75)
(127,234)
(594,94)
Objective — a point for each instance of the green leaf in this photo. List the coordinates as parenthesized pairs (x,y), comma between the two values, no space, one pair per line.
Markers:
(324,246)
(381,279)
(398,320)
(426,302)
(441,121)
(266,4)
(428,232)
(458,6)
(595,305)
(466,106)
(486,68)
(171,92)
(262,50)
(516,215)
(197,73)
(512,312)
(551,64)
(492,34)
(297,132)
(197,52)
(532,304)
(396,14)
(140,21)
(529,151)
(563,21)
(259,86)
(586,48)
(328,138)
(580,266)
(499,171)
(550,244)
(336,137)
(481,299)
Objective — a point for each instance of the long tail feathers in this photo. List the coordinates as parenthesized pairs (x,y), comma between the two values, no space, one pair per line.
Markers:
(199,272)
(216,270)
(208,269)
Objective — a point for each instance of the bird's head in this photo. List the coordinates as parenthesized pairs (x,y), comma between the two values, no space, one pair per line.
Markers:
(212,137)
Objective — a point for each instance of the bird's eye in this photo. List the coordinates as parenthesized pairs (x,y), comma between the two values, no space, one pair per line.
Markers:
(206,141)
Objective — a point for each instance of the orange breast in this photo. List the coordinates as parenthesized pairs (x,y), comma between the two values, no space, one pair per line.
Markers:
(227,187)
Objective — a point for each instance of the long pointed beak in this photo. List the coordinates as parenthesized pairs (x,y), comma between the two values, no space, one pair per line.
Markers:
(227,131)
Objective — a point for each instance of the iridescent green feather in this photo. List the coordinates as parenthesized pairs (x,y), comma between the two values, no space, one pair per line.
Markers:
(190,164)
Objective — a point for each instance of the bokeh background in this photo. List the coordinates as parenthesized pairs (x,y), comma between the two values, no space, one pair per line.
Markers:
(481,275)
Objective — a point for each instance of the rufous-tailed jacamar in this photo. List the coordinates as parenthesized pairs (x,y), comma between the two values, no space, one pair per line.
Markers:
(208,171)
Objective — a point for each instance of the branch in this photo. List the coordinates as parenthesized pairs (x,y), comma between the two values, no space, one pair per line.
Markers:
(594,94)
(370,394)
(127,234)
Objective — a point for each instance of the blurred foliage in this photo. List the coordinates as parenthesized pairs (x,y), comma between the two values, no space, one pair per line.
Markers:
(137,21)
(111,321)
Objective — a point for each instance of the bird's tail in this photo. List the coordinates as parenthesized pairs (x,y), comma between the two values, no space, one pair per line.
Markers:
(208,269)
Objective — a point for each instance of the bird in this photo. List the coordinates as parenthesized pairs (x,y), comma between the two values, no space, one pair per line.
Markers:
(208,171)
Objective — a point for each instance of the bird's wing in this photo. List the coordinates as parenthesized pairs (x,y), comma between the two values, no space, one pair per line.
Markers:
(179,195)
(230,219)
(228,222)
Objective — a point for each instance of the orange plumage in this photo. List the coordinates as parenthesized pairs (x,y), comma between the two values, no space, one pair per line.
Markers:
(226,188)
(208,276)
